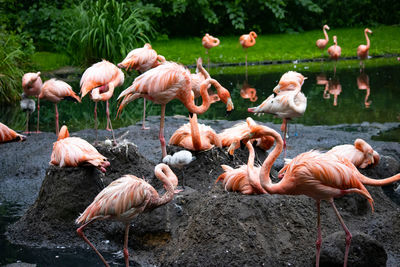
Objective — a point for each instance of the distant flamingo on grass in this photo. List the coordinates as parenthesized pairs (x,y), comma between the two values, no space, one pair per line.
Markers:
(9,135)
(247,40)
(362,50)
(334,51)
(167,82)
(321,43)
(209,42)
(74,151)
(100,80)
(142,59)
(195,137)
(32,84)
(124,199)
(54,91)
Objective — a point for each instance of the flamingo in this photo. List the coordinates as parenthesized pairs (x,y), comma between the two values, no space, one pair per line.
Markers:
(124,199)
(209,42)
(100,81)
(334,51)
(289,82)
(9,135)
(321,43)
(28,106)
(333,87)
(230,135)
(200,76)
(169,81)
(142,59)
(314,174)
(195,137)
(32,84)
(286,105)
(321,79)
(74,151)
(179,160)
(363,84)
(362,50)
(247,92)
(54,91)
(247,40)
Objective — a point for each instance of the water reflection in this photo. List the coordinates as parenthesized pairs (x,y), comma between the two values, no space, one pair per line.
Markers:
(333,87)
(363,84)
(248,92)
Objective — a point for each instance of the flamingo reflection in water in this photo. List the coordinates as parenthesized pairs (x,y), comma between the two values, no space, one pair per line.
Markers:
(363,84)
(333,87)
(248,92)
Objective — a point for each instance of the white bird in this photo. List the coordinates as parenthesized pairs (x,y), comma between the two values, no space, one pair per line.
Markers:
(179,160)
(28,106)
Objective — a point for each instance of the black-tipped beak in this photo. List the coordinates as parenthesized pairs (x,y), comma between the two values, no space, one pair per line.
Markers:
(190,115)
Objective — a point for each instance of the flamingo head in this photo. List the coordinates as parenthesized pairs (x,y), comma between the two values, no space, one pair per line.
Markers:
(63,133)
(225,97)
(253,34)
(147,45)
(326,27)
(335,40)
(368,31)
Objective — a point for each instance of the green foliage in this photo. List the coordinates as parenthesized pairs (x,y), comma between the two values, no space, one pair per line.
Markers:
(106,29)
(14,53)
(47,61)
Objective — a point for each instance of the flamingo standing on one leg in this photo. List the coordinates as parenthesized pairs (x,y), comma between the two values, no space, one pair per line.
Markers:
(321,43)
(74,151)
(142,59)
(54,91)
(209,42)
(195,137)
(317,175)
(362,50)
(363,84)
(32,83)
(247,40)
(169,81)
(334,51)
(124,199)
(100,81)
(9,135)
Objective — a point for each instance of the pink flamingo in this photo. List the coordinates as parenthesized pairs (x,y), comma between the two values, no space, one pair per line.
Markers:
(248,92)
(200,76)
(32,83)
(169,81)
(321,43)
(289,82)
(209,42)
(195,137)
(334,51)
(9,135)
(247,40)
(124,199)
(142,59)
(54,91)
(230,135)
(100,81)
(317,175)
(362,50)
(74,151)
(333,87)
(363,84)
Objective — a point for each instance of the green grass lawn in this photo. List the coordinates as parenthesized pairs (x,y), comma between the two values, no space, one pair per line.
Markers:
(294,46)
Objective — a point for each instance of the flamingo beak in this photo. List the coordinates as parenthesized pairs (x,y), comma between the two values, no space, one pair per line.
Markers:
(229,105)
(277,89)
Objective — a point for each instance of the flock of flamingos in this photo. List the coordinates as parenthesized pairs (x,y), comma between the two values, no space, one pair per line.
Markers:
(322,176)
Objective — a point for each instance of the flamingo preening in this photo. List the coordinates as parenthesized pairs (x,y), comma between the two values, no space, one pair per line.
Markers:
(209,42)
(247,40)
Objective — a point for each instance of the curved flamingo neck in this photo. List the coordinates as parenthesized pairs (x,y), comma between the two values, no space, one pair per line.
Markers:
(367,38)
(167,177)
(188,100)
(265,179)
(194,128)
(325,34)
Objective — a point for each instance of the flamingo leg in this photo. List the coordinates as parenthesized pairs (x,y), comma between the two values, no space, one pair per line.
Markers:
(161,134)
(208,59)
(126,251)
(95,118)
(38,109)
(183,179)
(246,57)
(80,233)
(319,235)
(144,115)
(57,126)
(27,122)
(346,230)
(108,128)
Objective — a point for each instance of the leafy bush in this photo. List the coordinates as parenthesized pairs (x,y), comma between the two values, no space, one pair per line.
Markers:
(106,29)
(14,54)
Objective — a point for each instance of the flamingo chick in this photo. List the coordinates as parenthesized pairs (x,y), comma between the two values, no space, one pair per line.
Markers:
(28,106)
(124,199)
(74,151)
(167,82)
(141,60)
(100,81)
(195,137)
(9,135)
(32,84)
(179,160)
(54,91)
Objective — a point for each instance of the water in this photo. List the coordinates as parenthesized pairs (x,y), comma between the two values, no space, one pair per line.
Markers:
(374,103)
